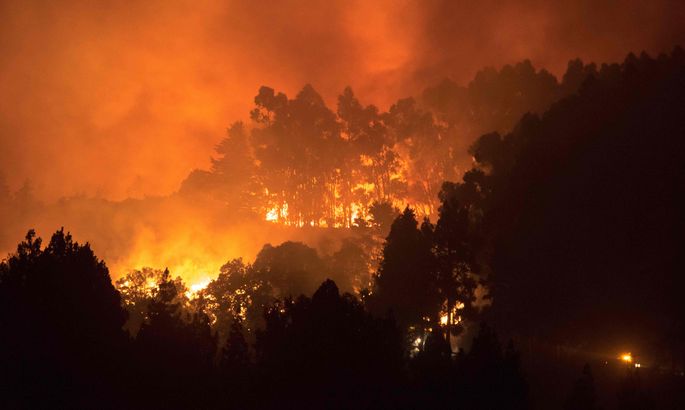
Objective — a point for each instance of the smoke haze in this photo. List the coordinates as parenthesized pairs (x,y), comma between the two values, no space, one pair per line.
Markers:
(120,100)
(106,107)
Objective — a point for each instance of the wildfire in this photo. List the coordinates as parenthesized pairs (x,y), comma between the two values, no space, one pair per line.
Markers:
(452,317)
(357,211)
(193,252)
(197,287)
(343,205)
(272,214)
(277,213)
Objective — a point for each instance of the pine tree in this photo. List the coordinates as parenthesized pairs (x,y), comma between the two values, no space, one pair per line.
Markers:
(405,282)
(235,356)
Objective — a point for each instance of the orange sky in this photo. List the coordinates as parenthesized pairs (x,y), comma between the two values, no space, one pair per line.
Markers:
(122,99)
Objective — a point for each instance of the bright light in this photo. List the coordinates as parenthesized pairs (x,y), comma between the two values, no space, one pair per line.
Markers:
(638,365)
(272,215)
(199,286)
(452,317)
(627,357)
(358,212)
(196,287)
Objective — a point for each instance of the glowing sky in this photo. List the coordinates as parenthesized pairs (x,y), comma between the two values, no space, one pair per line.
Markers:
(122,99)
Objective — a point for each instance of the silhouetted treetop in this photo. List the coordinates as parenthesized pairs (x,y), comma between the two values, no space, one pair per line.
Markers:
(578,205)
(57,282)
(62,321)
(300,163)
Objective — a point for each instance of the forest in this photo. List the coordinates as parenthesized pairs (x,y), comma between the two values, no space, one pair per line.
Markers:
(538,267)
(304,164)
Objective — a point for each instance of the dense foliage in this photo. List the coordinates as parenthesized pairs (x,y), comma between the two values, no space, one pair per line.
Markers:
(565,233)
(300,163)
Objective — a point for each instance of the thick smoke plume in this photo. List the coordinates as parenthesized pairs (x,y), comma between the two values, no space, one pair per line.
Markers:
(106,107)
(122,100)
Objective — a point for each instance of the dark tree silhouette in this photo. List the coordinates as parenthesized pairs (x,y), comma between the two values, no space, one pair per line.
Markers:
(484,378)
(570,218)
(349,266)
(434,378)
(327,351)
(237,384)
(383,214)
(456,245)
(292,268)
(302,179)
(303,164)
(238,290)
(494,379)
(137,288)
(233,176)
(405,282)
(173,351)
(235,356)
(575,192)
(574,215)
(367,158)
(62,341)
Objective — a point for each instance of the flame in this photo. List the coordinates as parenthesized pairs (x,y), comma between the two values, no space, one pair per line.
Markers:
(278,214)
(345,213)
(190,250)
(272,214)
(366,187)
(197,287)
(452,317)
(358,211)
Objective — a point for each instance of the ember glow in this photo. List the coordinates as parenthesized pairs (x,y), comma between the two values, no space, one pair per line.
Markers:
(187,256)
(195,288)
(118,125)
(452,317)
(428,203)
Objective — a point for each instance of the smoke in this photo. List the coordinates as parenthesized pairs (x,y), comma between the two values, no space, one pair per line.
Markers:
(122,100)
(193,238)
(104,101)
(461,37)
